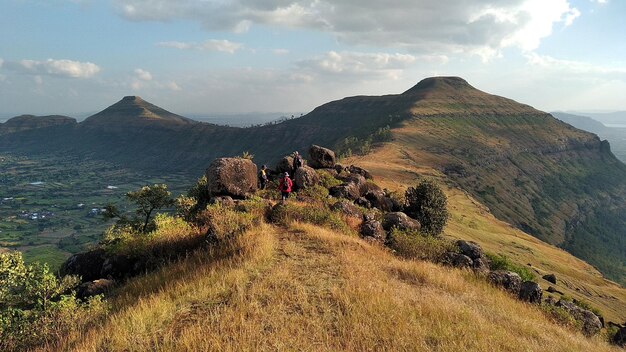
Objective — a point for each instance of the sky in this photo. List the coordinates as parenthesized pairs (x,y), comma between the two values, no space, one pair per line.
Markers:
(199,57)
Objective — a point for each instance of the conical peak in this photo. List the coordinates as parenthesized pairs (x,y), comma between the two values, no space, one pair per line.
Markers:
(440,83)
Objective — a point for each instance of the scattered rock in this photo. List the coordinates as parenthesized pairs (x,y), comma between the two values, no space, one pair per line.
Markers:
(285,165)
(470,249)
(591,323)
(339,168)
(347,208)
(395,205)
(86,265)
(550,278)
(235,177)
(224,201)
(530,292)
(358,170)
(401,221)
(355,179)
(456,260)
(376,196)
(620,337)
(507,280)
(93,288)
(305,177)
(373,228)
(321,157)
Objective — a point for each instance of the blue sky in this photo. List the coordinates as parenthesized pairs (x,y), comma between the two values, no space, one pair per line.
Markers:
(219,56)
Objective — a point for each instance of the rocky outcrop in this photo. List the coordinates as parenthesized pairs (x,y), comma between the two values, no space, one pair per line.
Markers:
(234,177)
(530,292)
(93,288)
(321,157)
(86,265)
(472,251)
(305,177)
(120,266)
(591,324)
(224,201)
(507,280)
(376,196)
(401,221)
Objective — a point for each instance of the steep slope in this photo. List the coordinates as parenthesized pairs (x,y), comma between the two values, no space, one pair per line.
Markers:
(307,288)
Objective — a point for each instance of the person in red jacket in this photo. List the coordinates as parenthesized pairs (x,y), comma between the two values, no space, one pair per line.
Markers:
(284,186)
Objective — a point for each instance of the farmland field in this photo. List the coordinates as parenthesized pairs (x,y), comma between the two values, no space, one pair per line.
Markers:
(50,208)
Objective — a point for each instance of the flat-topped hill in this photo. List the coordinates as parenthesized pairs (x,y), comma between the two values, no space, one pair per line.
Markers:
(29,122)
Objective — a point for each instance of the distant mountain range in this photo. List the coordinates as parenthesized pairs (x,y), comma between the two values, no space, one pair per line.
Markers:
(554,181)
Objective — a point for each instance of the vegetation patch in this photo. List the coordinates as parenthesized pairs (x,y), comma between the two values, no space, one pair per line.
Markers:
(415,245)
(502,262)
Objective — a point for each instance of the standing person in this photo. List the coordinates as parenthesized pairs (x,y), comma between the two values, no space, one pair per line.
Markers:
(284,186)
(263,176)
(297,161)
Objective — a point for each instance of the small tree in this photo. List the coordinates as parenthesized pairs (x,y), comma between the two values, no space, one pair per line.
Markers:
(427,203)
(147,199)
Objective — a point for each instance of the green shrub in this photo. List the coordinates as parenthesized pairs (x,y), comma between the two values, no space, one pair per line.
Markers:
(316,192)
(586,305)
(34,306)
(502,262)
(427,203)
(414,245)
(327,180)
(148,200)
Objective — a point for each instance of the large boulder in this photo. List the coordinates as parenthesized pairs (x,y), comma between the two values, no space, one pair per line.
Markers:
(321,157)
(456,260)
(120,266)
(361,171)
(373,228)
(355,179)
(235,177)
(93,288)
(591,324)
(507,280)
(285,165)
(376,196)
(401,221)
(305,177)
(86,265)
(530,292)
(347,208)
(345,190)
(470,249)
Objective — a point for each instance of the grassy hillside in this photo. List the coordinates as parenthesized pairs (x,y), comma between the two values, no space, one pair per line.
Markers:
(307,288)
(396,168)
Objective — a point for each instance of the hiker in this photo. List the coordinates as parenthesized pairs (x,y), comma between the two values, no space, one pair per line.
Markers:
(263,176)
(285,186)
(297,161)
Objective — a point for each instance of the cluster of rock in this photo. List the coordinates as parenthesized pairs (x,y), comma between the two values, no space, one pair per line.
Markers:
(471,256)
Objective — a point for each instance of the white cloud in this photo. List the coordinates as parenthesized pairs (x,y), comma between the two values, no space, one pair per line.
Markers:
(1,62)
(575,68)
(280,51)
(50,67)
(223,45)
(602,2)
(143,75)
(482,27)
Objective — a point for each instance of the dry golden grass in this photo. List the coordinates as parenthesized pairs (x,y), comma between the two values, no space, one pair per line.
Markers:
(307,288)
(398,165)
